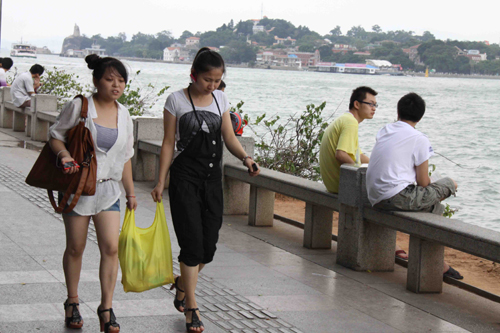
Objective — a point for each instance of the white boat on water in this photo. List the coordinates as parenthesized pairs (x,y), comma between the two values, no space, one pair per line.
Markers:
(23,50)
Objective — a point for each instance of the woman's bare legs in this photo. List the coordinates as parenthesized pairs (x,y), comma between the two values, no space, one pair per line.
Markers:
(189,278)
(107,226)
(76,239)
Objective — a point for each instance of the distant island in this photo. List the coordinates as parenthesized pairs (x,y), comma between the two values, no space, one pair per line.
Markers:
(276,43)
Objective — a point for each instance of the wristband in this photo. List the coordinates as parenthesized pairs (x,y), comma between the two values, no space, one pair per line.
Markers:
(130,196)
(244,159)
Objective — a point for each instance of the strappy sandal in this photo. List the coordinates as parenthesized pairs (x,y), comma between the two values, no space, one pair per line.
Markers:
(178,303)
(111,326)
(195,321)
(76,320)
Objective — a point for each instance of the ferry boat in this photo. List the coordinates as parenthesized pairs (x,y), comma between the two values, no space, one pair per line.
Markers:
(23,50)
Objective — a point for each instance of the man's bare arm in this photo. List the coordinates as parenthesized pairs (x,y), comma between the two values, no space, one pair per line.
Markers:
(422,171)
(343,157)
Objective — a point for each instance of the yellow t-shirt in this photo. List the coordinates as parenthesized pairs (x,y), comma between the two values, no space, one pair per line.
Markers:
(342,134)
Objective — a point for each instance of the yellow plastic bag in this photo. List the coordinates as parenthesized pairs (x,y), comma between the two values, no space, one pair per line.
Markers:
(145,254)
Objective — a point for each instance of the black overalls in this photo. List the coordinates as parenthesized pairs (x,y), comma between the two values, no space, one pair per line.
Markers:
(195,193)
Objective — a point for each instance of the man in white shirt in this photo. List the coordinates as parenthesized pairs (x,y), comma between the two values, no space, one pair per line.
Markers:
(400,158)
(6,66)
(25,85)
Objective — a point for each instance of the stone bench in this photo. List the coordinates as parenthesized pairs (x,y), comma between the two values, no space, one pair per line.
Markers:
(34,120)
(367,236)
(320,204)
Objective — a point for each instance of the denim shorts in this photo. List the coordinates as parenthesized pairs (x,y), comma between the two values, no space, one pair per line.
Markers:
(113,208)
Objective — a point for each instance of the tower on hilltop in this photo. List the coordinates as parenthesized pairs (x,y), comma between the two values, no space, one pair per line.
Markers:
(76,31)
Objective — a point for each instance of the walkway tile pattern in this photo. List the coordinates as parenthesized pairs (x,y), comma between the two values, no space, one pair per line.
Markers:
(218,304)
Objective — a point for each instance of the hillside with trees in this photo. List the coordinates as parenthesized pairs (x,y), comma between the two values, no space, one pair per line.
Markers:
(239,44)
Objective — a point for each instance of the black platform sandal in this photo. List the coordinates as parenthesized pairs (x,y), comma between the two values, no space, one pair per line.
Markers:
(195,321)
(111,326)
(76,320)
(178,303)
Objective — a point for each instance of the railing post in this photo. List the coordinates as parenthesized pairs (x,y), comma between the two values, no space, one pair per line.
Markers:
(19,122)
(318,227)
(425,266)
(6,116)
(40,128)
(361,245)
(237,193)
(144,164)
(261,207)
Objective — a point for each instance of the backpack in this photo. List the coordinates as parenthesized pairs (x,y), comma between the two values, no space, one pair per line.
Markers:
(238,123)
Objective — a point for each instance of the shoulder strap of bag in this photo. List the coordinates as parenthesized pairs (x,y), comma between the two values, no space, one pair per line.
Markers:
(76,183)
(85,105)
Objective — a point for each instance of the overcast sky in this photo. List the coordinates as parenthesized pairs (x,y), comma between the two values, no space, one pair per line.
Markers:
(48,22)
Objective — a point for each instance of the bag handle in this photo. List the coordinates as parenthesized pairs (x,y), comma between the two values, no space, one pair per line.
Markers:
(76,183)
(85,106)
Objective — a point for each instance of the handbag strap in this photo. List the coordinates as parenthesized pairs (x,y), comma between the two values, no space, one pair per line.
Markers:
(79,184)
(85,106)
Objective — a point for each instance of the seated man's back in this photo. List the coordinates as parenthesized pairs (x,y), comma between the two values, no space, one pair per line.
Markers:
(21,88)
(399,148)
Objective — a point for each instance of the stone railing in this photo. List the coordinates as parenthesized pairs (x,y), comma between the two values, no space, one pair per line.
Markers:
(366,237)
(34,121)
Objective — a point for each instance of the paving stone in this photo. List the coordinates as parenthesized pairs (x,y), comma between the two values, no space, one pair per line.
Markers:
(255,306)
(237,324)
(260,323)
(249,324)
(230,292)
(269,314)
(235,315)
(210,316)
(233,306)
(222,307)
(273,324)
(223,316)
(224,325)
(211,307)
(246,314)
(243,299)
(231,299)
(244,306)
(293,329)
(258,314)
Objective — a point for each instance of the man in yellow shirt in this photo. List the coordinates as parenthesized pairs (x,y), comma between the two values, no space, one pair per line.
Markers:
(340,140)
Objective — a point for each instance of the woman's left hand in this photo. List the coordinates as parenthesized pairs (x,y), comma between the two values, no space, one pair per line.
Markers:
(249,162)
(131,203)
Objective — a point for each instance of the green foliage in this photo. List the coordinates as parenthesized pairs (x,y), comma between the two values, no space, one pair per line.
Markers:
(291,145)
(140,99)
(60,83)
(238,52)
(448,211)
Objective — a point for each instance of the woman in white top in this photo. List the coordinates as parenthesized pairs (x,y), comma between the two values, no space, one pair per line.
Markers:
(112,132)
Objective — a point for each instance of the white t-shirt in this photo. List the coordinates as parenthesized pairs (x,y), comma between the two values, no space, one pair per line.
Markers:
(178,104)
(398,150)
(20,89)
(3,78)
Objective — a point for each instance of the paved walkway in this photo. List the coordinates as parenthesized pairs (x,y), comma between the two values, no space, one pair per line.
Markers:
(262,279)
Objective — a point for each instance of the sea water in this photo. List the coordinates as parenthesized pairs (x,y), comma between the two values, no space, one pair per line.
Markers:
(461,120)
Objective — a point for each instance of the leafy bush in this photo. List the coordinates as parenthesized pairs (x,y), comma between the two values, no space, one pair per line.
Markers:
(141,98)
(60,83)
(291,145)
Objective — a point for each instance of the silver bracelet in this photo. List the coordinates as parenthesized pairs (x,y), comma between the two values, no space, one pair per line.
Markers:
(244,159)
(57,158)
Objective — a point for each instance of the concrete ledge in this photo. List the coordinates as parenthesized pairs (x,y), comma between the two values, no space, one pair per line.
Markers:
(296,187)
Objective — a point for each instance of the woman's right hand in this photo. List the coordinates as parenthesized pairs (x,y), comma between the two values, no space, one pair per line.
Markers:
(71,170)
(157,192)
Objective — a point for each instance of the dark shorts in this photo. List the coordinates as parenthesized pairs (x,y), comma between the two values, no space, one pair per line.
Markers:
(114,207)
(196,208)
(420,199)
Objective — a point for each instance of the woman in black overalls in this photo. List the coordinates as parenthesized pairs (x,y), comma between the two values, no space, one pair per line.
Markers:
(196,119)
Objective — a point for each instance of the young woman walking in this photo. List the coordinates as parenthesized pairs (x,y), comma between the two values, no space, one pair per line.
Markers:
(112,132)
(196,119)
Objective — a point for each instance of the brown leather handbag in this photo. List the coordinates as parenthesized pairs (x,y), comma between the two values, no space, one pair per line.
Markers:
(46,173)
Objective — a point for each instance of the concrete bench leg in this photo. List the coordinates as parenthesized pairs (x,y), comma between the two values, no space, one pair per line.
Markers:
(261,210)
(19,123)
(425,266)
(27,130)
(6,117)
(362,245)
(236,197)
(39,129)
(318,227)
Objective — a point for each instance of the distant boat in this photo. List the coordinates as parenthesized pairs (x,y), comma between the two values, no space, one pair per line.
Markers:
(23,50)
